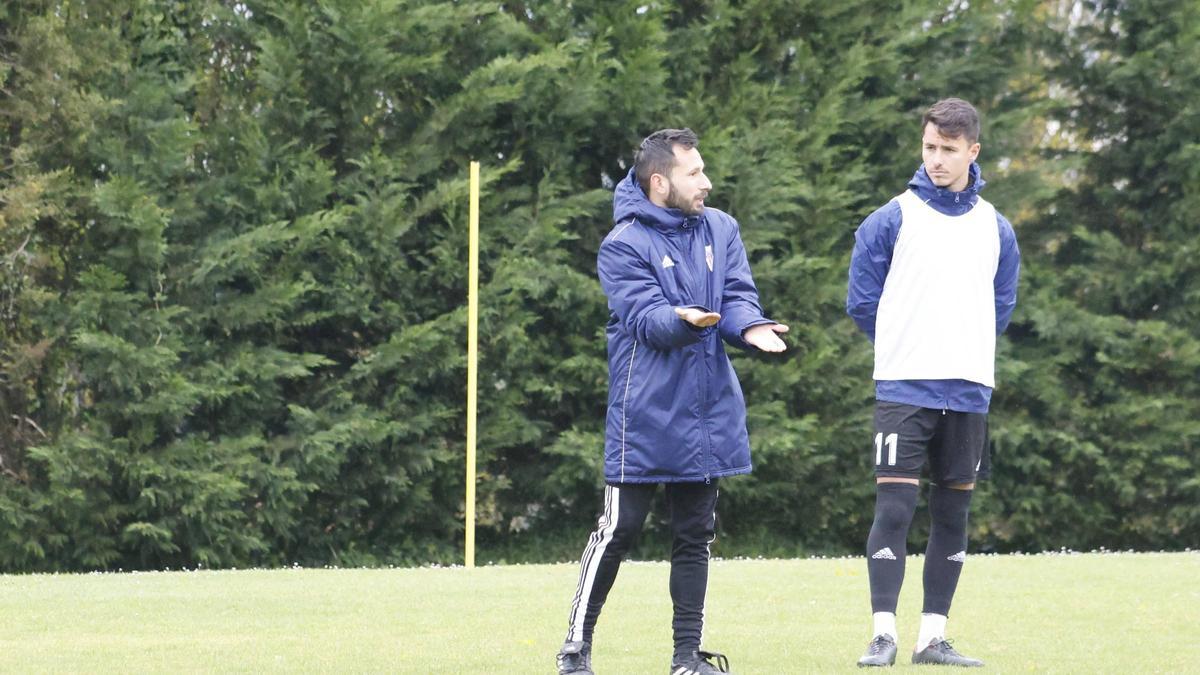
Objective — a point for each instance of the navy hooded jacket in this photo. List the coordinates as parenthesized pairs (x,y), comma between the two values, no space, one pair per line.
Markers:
(675,408)
(873,246)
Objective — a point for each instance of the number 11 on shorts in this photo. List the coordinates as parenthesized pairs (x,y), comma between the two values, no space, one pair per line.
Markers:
(891,441)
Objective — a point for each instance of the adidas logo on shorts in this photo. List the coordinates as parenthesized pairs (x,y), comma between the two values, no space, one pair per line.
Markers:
(961,556)
(884,553)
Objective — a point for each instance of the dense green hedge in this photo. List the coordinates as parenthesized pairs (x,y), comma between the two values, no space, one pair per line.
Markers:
(232,265)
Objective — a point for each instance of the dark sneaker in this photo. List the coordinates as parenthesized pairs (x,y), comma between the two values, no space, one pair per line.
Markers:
(575,658)
(940,652)
(699,664)
(881,652)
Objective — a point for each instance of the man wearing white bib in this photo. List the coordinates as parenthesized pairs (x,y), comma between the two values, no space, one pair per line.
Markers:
(933,281)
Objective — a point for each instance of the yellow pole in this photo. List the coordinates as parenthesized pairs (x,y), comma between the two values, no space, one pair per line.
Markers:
(472,359)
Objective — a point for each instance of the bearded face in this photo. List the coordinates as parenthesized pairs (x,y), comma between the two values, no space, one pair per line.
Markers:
(688,186)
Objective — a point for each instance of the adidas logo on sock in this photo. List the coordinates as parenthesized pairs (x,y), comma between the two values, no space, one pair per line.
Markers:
(884,553)
(961,556)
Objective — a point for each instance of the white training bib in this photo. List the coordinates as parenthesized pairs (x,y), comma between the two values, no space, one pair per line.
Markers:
(937,313)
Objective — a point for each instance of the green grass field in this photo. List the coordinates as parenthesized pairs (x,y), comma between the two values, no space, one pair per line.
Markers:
(1117,613)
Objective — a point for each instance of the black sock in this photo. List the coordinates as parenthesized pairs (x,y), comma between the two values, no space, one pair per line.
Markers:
(947,548)
(894,507)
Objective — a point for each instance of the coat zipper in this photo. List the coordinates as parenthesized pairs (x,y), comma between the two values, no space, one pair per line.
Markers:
(697,281)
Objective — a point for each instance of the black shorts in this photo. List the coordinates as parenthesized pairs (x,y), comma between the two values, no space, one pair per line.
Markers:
(956,443)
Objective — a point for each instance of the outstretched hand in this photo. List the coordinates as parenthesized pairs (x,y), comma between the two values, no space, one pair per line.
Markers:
(763,336)
(696,317)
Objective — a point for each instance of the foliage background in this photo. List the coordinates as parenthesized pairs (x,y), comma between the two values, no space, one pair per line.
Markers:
(233,279)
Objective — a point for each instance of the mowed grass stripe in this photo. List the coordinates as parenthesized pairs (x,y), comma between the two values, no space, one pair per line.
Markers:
(1046,613)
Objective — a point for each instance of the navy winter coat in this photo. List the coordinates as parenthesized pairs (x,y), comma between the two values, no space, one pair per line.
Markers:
(675,408)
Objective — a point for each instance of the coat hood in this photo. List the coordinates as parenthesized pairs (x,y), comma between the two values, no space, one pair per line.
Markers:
(944,200)
(631,202)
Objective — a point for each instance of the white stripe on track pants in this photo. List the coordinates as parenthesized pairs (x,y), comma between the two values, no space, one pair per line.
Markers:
(693,528)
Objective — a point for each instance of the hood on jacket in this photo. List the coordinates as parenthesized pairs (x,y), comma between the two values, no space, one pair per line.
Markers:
(945,200)
(630,201)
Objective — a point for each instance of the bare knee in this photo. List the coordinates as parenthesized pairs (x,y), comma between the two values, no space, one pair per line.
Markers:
(880,480)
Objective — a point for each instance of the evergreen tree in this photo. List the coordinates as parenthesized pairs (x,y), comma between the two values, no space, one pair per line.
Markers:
(233,264)
(1102,420)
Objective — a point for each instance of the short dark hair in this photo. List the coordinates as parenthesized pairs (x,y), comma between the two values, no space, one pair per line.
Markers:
(953,118)
(657,153)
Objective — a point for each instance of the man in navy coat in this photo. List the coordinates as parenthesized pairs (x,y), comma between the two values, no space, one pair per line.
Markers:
(678,287)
